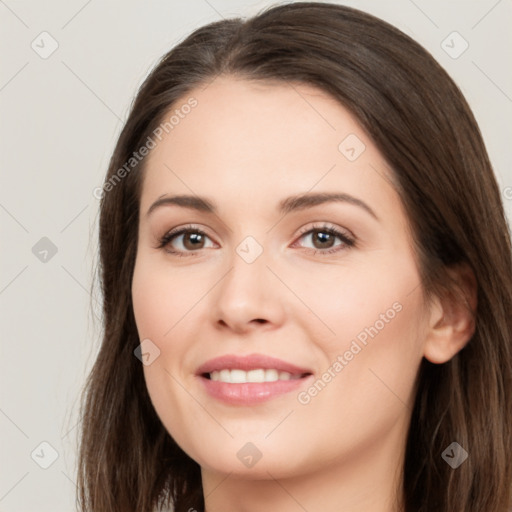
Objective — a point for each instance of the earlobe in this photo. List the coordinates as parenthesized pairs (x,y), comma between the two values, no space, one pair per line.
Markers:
(452,317)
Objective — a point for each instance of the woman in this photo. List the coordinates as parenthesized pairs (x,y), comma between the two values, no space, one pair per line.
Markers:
(303,242)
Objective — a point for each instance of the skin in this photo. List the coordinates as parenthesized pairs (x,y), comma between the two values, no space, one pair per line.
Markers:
(245,147)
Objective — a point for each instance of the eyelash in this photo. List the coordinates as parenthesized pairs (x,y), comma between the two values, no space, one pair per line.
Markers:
(347,241)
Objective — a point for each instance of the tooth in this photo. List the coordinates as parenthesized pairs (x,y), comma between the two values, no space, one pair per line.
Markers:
(225,376)
(238,376)
(271,375)
(256,376)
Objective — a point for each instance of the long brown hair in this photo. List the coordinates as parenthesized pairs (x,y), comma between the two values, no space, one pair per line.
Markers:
(422,125)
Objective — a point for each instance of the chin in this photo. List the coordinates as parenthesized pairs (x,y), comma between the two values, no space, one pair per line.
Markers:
(258,459)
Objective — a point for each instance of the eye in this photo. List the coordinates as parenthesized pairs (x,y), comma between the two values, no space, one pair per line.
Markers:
(323,239)
(184,240)
(188,240)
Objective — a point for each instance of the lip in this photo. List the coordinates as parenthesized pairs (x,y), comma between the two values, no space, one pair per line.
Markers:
(249,362)
(249,393)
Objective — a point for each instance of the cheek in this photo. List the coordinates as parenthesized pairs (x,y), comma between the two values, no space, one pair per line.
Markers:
(374,358)
(162,297)
(166,302)
(377,323)
(160,307)
(363,300)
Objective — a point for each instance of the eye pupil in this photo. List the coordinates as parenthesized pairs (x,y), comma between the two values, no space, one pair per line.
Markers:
(194,239)
(325,238)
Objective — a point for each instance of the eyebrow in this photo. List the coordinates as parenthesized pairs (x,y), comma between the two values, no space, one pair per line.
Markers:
(292,203)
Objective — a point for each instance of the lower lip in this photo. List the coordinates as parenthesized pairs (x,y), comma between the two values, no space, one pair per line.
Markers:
(249,393)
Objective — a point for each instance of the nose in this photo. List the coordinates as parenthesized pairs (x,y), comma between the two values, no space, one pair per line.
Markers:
(248,297)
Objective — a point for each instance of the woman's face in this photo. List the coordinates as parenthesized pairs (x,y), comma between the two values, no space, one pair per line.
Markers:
(283,334)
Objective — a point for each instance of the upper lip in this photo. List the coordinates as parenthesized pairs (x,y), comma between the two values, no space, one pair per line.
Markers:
(249,362)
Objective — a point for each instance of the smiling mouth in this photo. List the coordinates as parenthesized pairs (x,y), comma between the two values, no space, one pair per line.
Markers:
(246,380)
(258,375)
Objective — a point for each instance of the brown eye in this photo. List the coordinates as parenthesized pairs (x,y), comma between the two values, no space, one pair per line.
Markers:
(185,240)
(323,240)
(193,241)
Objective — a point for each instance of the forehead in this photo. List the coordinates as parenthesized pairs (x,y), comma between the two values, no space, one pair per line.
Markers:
(253,141)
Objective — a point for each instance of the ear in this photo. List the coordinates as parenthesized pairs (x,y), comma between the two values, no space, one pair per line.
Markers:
(452,317)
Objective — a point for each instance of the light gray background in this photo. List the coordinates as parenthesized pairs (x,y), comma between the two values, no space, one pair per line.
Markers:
(60,117)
